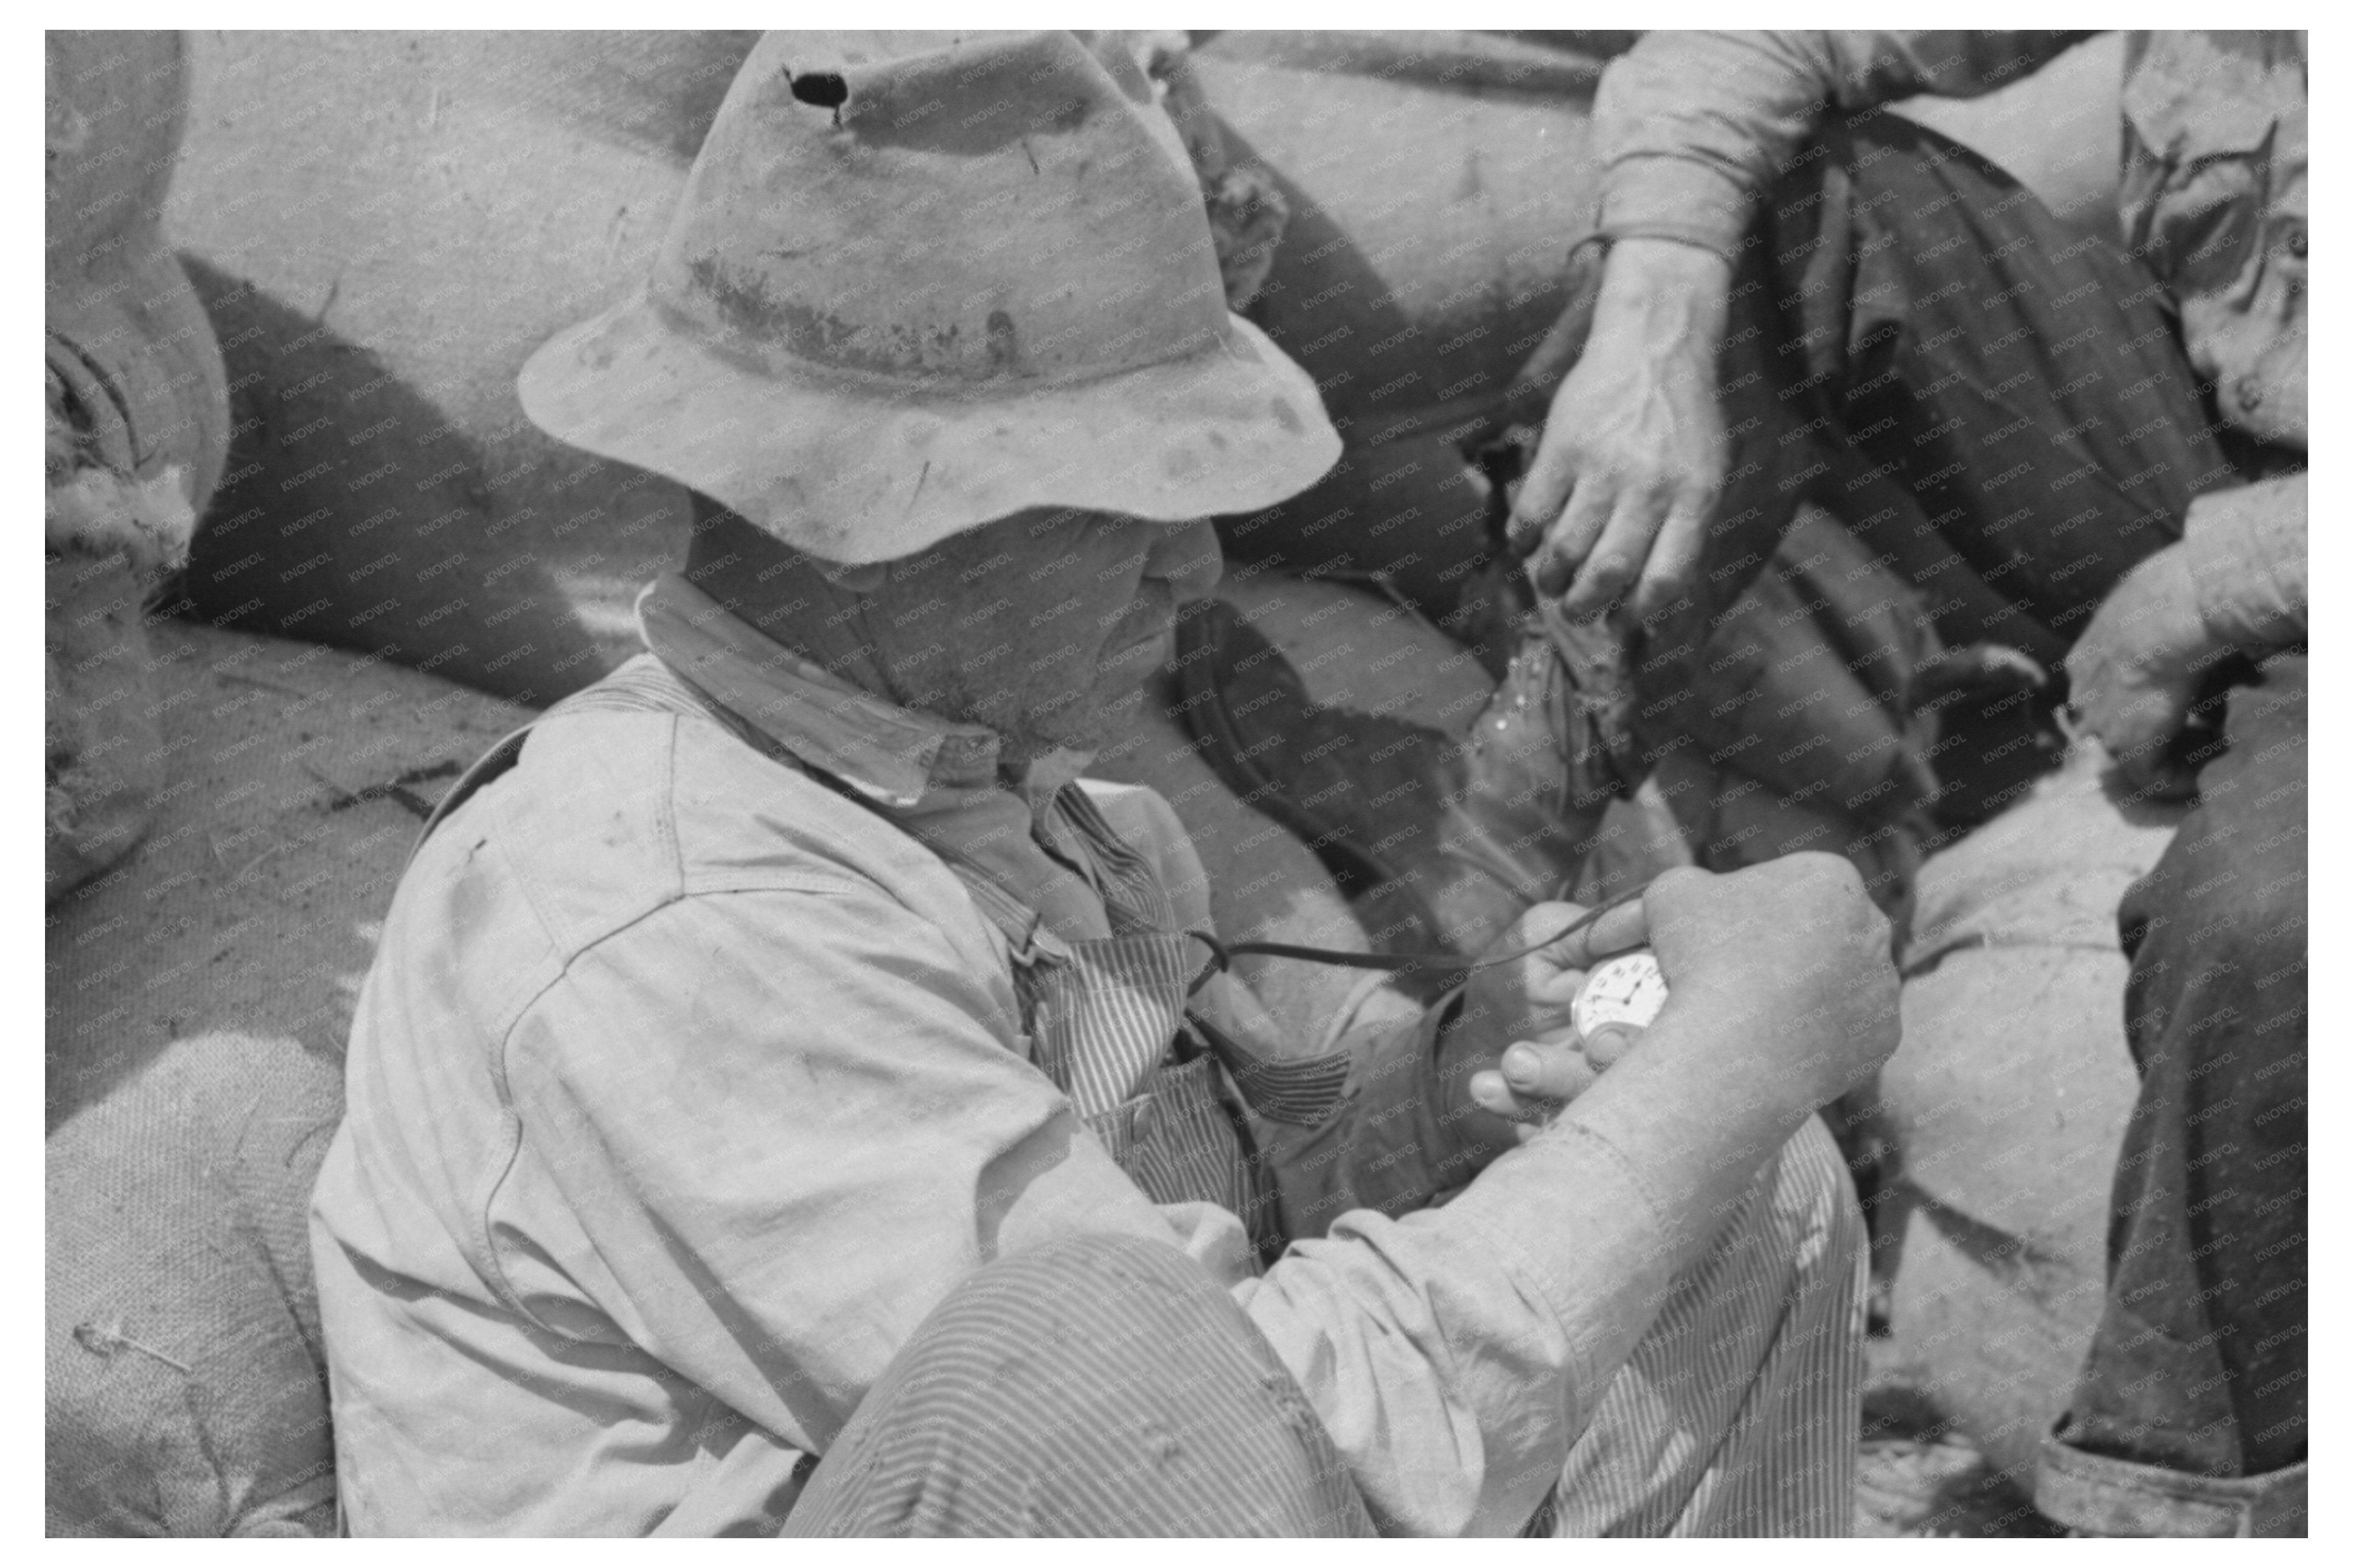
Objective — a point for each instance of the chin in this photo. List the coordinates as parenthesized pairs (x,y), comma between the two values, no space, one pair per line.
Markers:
(1106,717)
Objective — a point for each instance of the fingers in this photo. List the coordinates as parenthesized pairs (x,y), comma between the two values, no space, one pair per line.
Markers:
(2138,725)
(1548,1070)
(1670,892)
(1544,489)
(1577,528)
(1674,561)
(1613,931)
(1609,1045)
(2153,770)
(1535,1079)
(1617,930)
(1692,928)
(1988,668)
(1618,556)
(1545,922)
(1493,1095)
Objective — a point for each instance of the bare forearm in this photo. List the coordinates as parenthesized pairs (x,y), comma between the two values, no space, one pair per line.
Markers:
(1507,1313)
(1664,295)
(1624,1189)
(1454,1353)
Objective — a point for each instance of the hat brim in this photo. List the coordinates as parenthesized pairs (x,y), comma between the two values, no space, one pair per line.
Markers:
(855,471)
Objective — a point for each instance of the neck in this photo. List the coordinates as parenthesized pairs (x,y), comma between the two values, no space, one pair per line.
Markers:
(786,597)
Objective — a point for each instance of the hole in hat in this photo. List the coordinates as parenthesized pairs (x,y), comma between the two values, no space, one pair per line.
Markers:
(824,90)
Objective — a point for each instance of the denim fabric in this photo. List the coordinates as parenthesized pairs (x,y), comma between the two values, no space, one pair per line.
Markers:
(2214,162)
(2198,1365)
(2000,412)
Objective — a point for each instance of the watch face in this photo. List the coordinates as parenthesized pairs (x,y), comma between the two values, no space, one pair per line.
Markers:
(1628,989)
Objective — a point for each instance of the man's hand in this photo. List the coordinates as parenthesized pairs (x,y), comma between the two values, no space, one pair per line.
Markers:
(2135,674)
(1633,454)
(1526,1000)
(1535,1077)
(1783,967)
(1787,965)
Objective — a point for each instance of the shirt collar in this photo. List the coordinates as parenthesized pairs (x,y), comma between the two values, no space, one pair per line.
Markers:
(934,778)
(891,755)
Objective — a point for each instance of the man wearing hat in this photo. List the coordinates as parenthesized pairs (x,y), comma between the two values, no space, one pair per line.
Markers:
(787,1098)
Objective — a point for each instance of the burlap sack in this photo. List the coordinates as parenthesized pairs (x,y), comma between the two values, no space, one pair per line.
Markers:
(295,779)
(385,226)
(2007,1101)
(135,429)
(1435,183)
(186,1383)
(126,331)
(99,735)
(198,998)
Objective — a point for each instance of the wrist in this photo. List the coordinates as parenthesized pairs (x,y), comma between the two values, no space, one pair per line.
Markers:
(1760,1068)
(1665,274)
(2173,627)
(1663,257)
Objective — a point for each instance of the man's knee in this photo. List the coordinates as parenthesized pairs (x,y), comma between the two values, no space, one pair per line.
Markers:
(2227,899)
(1813,1181)
(1079,1268)
(1127,1392)
(1093,1324)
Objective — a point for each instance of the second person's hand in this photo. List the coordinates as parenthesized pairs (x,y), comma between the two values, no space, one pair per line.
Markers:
(1633,453)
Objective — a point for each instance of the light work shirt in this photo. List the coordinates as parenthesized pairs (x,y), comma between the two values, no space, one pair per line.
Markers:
(684,1087)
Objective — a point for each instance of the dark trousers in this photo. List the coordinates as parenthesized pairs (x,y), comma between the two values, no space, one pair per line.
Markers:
(2197,1367)
(1099,1387)
(1999,411)
(2003,414)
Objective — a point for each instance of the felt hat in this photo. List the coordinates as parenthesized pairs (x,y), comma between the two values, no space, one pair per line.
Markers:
(920,281)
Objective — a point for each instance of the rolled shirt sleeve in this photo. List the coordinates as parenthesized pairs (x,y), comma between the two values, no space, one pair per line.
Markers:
(2247,553)
(776,1171)
(1693,126)
(1476,1350)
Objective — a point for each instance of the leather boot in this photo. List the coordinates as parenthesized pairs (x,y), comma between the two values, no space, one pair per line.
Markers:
(1540,766)
(1440,845)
